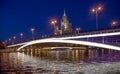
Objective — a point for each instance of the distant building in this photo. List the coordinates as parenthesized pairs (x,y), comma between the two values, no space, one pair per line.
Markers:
(65,26)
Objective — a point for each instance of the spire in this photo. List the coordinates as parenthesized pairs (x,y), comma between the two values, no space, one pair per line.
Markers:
(64,12)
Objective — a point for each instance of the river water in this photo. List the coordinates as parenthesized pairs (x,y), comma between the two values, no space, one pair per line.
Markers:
(40,61)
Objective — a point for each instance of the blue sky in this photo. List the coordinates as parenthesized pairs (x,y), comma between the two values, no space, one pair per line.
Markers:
(18,16)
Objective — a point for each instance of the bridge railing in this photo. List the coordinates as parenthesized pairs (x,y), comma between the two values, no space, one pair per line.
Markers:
(90,32)
(105,42)
(74,34)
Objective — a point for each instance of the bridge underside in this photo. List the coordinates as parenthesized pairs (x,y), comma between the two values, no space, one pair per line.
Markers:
(75,42)
(51,44)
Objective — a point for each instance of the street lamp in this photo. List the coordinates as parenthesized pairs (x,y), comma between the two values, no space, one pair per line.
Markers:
(96,10)
(21,36)
(114,23)
(14,37)
(53,22)
(32,31)
(9,40)
(78,30)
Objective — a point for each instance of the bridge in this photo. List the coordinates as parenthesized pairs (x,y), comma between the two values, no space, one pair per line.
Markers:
(108,39)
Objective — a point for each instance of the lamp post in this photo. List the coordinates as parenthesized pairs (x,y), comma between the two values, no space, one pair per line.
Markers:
(21,36)
(32,31)
(9,40)
(78,30)
(14,37)
(114,24)
(96,10)
(53,22)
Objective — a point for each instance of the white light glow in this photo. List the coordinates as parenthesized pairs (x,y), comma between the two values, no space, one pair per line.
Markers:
(17,44)
(93,35)
(72,42)
(61,47)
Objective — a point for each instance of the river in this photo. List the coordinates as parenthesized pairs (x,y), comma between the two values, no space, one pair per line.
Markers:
(57,61)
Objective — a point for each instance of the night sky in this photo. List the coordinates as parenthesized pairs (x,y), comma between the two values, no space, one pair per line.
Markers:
(18,16)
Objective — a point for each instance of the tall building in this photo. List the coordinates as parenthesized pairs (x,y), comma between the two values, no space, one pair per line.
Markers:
(66,27)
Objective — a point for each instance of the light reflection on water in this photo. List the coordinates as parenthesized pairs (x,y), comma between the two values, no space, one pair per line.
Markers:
(38,60)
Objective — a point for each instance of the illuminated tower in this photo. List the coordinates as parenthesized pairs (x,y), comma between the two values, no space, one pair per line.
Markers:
(66,27)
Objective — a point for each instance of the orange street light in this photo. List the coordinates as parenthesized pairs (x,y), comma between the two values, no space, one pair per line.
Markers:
(114,23)
(99,8)
(96,10)
(93,10)
(53,22)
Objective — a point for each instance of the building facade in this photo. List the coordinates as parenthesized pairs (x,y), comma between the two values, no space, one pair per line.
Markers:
(65,26)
